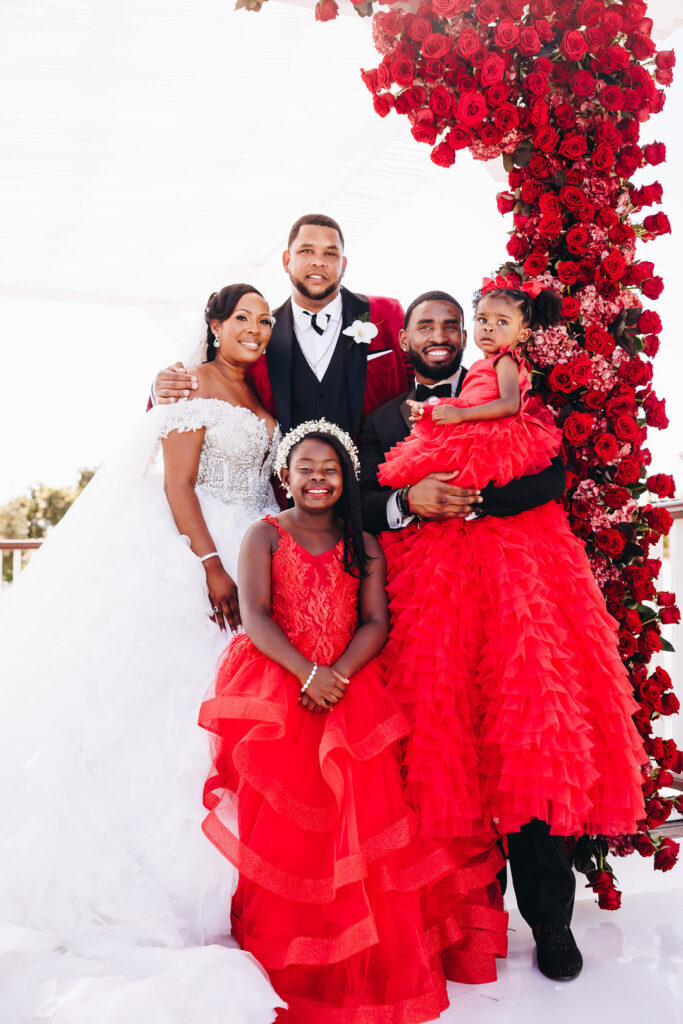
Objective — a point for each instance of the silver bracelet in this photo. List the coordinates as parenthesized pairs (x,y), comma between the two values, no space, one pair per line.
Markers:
(211,554)
(310,678)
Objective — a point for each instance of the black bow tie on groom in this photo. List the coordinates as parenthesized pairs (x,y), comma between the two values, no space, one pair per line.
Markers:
(318,328)
(422,392)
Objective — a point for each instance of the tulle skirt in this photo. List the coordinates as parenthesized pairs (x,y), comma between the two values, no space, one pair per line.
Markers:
(504,659)
(114,907)
(354,915)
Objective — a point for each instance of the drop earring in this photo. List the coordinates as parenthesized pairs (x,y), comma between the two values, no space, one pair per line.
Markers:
(288,493)
(216,341)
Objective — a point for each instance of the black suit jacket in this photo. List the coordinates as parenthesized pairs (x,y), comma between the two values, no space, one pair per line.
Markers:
(390,424)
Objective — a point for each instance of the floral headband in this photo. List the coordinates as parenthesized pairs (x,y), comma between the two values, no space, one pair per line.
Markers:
(296,436)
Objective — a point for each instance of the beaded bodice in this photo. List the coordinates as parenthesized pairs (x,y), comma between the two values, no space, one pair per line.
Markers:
(313,600)
(236,461)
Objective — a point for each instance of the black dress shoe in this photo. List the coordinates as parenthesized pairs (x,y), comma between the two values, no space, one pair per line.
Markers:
(557,954)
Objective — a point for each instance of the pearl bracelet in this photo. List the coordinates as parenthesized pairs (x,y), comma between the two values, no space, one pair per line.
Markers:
(211,554)
(310,678)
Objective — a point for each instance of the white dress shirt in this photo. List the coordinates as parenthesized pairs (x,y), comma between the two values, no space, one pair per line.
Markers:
(318,349)
(394,518)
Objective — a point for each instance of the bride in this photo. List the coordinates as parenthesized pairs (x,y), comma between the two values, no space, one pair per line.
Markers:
(113,905)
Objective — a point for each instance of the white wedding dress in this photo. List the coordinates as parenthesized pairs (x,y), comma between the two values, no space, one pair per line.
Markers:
(114,907)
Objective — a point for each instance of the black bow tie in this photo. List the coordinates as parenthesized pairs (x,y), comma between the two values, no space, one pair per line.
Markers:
(422,392)
(318,328)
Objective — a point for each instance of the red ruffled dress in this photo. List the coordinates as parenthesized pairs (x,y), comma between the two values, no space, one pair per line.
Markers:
(502,653)
(491,451)
(353,914)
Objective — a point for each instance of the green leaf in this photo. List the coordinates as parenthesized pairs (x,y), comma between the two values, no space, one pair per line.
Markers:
(666,646)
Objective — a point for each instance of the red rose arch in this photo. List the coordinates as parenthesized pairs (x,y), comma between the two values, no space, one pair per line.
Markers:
(560,88)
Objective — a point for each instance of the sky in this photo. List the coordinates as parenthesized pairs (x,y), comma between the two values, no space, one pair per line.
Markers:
(162,150)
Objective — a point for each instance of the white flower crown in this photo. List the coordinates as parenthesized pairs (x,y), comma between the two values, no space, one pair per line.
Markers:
(322,426)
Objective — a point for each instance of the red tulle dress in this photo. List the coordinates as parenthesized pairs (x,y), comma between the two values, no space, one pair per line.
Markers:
(356,917)
(502,653)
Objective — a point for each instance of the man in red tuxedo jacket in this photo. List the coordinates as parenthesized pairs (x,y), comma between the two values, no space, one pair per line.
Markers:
(317,363)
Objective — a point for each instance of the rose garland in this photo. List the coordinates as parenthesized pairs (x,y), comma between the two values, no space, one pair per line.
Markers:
(560,88)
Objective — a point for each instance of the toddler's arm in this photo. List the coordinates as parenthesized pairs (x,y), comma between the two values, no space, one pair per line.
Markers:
(507,405)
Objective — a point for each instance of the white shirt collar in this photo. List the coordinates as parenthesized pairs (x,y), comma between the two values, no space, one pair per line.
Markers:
(333,310)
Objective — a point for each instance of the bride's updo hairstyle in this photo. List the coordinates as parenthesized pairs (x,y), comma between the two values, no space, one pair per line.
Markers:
(222,305)
(537,313)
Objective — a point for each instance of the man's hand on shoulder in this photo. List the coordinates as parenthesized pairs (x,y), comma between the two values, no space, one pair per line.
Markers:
(173,383)
(436,498)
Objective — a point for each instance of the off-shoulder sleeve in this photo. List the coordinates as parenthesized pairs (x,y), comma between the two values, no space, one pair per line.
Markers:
(189,415)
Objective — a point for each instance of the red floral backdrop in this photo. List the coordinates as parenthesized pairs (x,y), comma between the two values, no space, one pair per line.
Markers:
(561,89)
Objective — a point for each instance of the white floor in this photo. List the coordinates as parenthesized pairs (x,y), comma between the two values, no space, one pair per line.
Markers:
(633,963)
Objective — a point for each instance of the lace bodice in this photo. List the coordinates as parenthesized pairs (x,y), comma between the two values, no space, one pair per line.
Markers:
(237,456)
(313,600)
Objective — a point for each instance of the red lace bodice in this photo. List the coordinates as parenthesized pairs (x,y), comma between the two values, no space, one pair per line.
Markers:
(313,600)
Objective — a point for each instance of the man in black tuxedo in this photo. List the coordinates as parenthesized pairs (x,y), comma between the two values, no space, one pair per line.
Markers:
(433,338)
(332,352)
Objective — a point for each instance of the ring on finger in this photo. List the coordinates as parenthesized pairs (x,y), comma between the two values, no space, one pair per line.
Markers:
(216,609)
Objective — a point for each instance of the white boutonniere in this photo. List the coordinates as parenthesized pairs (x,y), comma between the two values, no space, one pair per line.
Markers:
(362,331)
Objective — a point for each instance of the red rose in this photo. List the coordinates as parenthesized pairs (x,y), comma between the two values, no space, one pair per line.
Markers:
(383,103)
(611,542)
(578,239)
(662,484)
(570,307)
(506,202)
(600,342)
(549,204)
(326,10)
(419,29)
(666,60)
(653,288)
(591,12)
(603,158)
(664,780)
(594,400)
(459,137)
(573,147)
(411,99)
(628,470)
(538,166)
(583,84)
(612,98)
(609,899)
(577,427)
(657,812)
(580,369)
(573,46)
(632,621)
(650,642)
(529,42)
(436,45)
(606,447)
(497,94)
(670,702)
(390,22)
(568,272)
(666,599)
(449,8)
(467,43)
(635,372)
(535,264)
(649,322)
(487,11)
(443,155)
(471,109)
(540,113)
(625,428)
(596,38)
(670,617)
(644,845)
(565,116)
(517,247)
(658,519)
(641,46)
(492,71)
(440,101)
(506,34)
(402,71)
(627,645)
(613,265)
(616,497)
(572,197)
(657,224)
(613,59)
(655,412)
(432,69)
(560,379)
(550,226)
(423,132)
(536,83)
(506,117)
(655,153)
(667,854)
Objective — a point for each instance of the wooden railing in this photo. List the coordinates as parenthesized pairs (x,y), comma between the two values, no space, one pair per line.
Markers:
(17,549)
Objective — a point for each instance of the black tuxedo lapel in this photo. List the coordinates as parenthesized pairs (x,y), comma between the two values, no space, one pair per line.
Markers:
(461,382)
(355,355)
(279,363)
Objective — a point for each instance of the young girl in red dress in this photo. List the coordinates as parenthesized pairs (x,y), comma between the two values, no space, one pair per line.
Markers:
(514,677)
(356,918)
